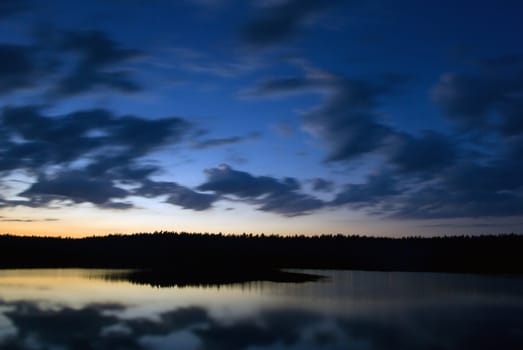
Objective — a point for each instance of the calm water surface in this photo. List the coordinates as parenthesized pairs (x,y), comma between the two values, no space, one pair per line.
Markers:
(84,309)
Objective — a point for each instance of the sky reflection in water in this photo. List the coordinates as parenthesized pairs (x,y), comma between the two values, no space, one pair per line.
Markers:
(80,309)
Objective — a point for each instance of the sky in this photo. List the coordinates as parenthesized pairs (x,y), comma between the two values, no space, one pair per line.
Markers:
(374,117)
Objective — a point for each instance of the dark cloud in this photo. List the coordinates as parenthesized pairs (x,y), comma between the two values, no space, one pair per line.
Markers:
(98,64)
(17,67)
(120,166)
(499,175)
(452,189)
(81,157)
(189,199)
(322,185)
(377,187)
(75,187)
(490,98)
(176,194)
(429,152)
(96,48)
(347,122)
(281,20)
(290,204)
(12,7)
(426,174)
(219,142)
(272,195)
(61,139)
(462,190)
(463,97)
(349,126)
(110,149)
(27,220)
(85,79)
(226,180)
(65,64)
(472,190)
(208,143)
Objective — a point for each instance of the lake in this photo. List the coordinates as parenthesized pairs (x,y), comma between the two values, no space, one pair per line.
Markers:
(89,309)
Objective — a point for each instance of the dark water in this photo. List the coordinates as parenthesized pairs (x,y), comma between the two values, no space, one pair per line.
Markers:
(84,309)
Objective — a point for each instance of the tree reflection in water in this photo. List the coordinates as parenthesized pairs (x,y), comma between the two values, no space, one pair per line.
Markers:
(471,318)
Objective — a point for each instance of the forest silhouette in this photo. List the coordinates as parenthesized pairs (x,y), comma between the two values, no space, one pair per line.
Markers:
(192,258)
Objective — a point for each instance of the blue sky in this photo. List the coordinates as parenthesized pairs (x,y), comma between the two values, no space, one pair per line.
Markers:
(275,116)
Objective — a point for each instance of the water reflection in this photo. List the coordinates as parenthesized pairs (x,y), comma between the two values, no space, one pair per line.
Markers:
(351,310)
(207,277)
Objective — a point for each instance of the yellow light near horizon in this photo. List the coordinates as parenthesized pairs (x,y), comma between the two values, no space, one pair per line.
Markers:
(85,220)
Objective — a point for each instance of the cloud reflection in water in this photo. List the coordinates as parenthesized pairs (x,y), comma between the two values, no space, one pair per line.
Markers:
(488,318)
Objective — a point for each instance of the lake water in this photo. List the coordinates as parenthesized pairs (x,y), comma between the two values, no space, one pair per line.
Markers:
(86,309)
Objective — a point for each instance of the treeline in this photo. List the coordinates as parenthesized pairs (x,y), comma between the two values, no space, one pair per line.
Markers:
(199,252)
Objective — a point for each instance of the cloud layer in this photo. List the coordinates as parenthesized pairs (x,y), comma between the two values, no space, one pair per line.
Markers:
(429,174)
(64,90)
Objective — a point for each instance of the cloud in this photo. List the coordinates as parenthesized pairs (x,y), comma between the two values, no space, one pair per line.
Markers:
(377,187)
(75,187)
(490,98)
(226,180)
(349,125)
(176,194)
(454,183)
(322,185)
(465,189)
(27,220)
(209,143)
(270,194)
(428,174)
(290,204)
(12,7)
(67,64)
(281,20)
(98,64)
(84,156)
(347,122)
(36,140)
(124,167)
(431,151)
(17,68)
(458,189)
